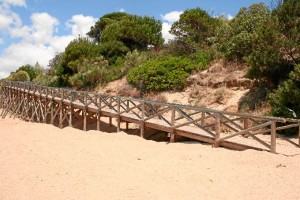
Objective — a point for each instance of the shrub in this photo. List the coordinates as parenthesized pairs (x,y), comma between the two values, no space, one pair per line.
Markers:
(90,72)
(46,80)
(129,91)
(285,100)
(30,71)
(160,74)
(134,59)
(21,76)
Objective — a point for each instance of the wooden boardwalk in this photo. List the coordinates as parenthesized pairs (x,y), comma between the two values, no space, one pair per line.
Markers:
(63,107)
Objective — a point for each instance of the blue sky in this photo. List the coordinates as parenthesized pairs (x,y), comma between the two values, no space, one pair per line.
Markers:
(35,30)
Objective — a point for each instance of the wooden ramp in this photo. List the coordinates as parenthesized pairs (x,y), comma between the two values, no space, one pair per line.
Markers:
(63,107)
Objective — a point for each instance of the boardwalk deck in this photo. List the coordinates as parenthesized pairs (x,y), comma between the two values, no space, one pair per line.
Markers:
(64,107)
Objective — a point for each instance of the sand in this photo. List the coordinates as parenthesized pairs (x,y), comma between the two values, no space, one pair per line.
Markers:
(40,161)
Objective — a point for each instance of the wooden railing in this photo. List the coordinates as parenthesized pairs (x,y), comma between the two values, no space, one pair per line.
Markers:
(66,107)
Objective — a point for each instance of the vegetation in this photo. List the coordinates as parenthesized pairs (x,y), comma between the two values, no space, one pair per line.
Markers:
(116,39)
(194,28)
(266,40)
(20,75)
(285,100)
(164,73)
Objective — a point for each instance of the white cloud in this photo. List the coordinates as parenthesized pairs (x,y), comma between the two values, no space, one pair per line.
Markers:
(168,20)
(1,41)
(8,18)
(23,53)
(165,32)
(171,17)
(15,2)
(38,41)
(230,17)
(80,24)
(122,10)
(43,26)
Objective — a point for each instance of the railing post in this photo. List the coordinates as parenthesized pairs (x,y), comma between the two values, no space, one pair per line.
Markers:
(202,118)
(99,113)
(71,109)
(52,106)
(173,131)
(299,136)
(142,123)
(45,108)
(246,125)
(119,117)
(85,112)
(110,118)
(273,137)
(127,108)
(61,108)
(217,130)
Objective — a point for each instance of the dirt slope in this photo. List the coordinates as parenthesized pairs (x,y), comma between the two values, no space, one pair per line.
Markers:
(220,87)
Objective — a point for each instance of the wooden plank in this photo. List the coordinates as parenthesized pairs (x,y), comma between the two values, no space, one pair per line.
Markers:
(158,113)
(119,117)
(273,137)
(142,123)
(245,131)
(217,130)
(85,113)
(173,130)
(61,110)
(99,113)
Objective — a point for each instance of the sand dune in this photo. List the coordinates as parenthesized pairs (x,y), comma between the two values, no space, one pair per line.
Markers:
(39,161)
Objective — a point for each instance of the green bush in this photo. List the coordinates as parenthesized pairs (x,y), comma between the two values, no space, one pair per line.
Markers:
(30,71)
(46,80)
(163,73)
(21,76)
(90,72)
(285,100)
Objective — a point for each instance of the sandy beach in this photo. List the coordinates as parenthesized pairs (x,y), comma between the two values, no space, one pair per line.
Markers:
(40,161)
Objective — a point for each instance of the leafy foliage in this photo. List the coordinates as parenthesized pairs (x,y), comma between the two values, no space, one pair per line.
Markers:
(30,71)
(237,37)
(162,73)
(78,50)
(119,33)
(194,27)
(20,75)
(285,100)
(289,26)
(106,20)
(90,72)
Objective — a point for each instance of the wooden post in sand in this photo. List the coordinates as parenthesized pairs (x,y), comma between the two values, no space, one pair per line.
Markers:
(71,110)
(127,108)
(110,119)
(217,130)
(246,125)
(142,123)
(273,137)
(46,103)
(202,118)
(52,107)
(299,137)
(119,116)
(99,113)
(173,132)
(84,112)
(61,108)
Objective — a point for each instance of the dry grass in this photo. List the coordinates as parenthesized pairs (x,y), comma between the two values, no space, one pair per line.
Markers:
(129,91)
